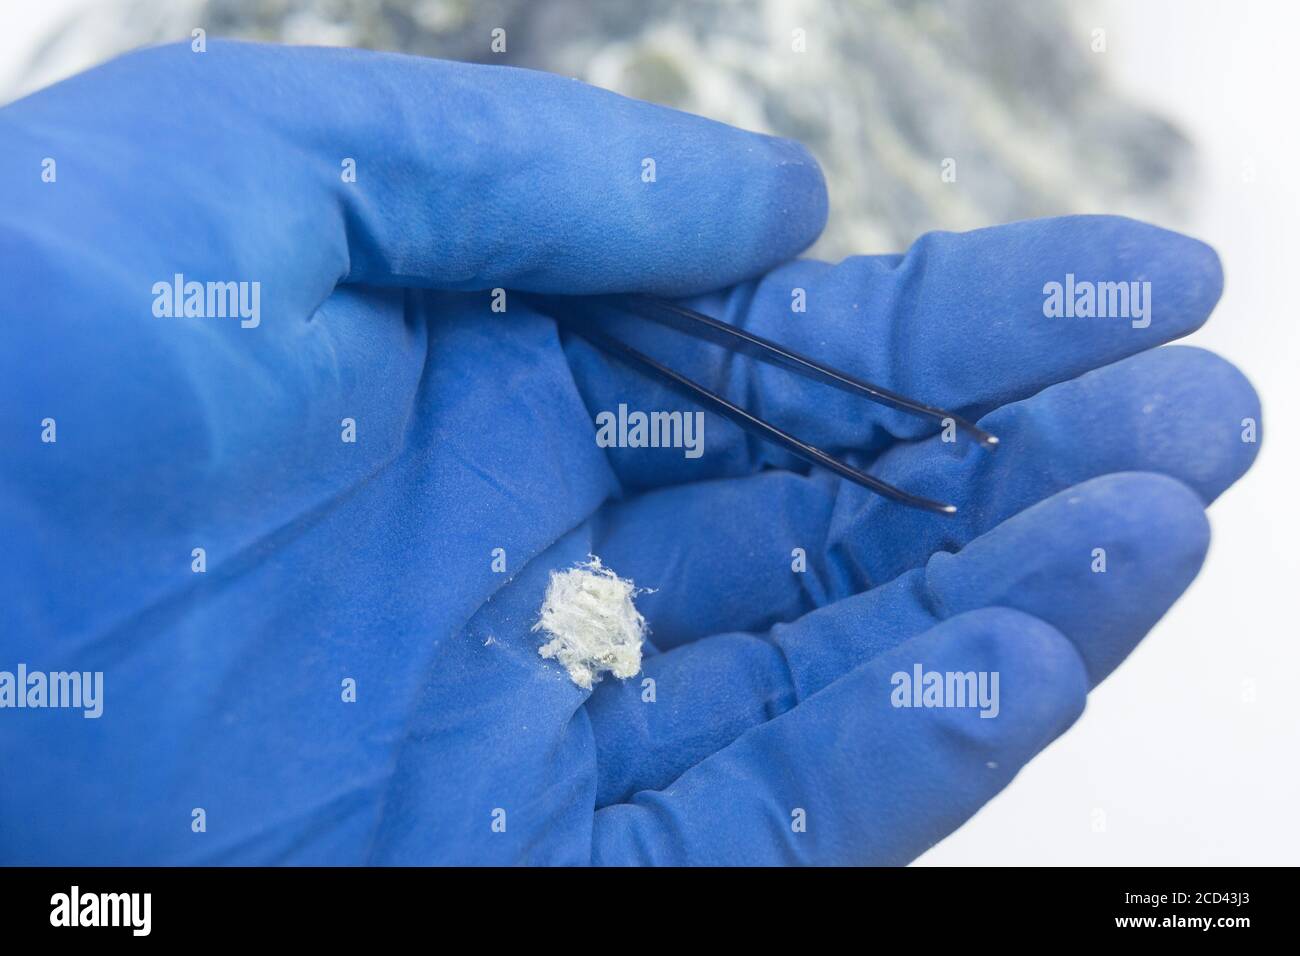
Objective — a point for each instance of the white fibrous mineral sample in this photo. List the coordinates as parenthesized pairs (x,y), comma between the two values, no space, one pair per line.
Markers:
(593,625)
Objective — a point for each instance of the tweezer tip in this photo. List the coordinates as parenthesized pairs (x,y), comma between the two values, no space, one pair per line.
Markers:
(990,440)
(948,509)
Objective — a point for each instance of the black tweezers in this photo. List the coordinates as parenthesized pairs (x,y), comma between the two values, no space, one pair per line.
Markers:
(582,316)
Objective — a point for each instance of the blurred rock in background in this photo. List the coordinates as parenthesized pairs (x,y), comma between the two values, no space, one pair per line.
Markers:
(1013,92)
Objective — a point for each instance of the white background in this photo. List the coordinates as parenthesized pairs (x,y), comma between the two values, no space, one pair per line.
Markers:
(1188,765)
(1188,754)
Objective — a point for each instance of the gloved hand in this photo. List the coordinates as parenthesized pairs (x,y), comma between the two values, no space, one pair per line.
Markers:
(771,736)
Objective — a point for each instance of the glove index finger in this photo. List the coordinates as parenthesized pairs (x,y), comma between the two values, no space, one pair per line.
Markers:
(398,170)
(545,183)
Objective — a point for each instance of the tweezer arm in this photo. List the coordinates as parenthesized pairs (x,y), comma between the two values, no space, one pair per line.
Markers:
(576,313)
(752,422)
(764,350)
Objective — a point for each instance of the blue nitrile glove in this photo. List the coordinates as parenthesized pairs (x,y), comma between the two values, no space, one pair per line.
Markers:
(227,734)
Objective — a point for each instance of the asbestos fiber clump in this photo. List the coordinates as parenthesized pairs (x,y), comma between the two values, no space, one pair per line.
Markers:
(593,625)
